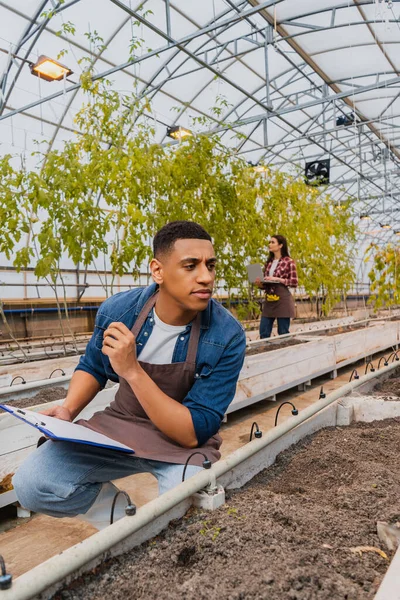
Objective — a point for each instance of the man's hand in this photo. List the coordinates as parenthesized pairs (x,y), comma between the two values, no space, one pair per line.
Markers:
(59,412)
(119,345)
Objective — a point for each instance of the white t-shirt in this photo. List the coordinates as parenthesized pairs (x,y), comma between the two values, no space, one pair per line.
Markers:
(273,267)
(160,346)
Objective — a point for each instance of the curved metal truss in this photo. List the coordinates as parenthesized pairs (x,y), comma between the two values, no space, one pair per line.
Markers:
(288,69)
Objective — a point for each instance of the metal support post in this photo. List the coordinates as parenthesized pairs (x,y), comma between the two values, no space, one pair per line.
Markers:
(168,18)
(268,41)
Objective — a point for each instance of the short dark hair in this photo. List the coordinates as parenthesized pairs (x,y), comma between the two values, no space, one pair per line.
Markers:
(166,237)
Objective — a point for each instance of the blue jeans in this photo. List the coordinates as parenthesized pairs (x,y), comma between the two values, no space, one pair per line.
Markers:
(63,479)
(267,323)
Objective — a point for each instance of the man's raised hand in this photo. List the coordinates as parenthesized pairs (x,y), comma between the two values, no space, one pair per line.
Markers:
(119,345)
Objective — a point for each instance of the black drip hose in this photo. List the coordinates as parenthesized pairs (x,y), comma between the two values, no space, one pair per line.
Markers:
(206,463)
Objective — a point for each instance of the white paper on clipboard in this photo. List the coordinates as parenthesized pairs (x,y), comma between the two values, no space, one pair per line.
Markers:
(58,429)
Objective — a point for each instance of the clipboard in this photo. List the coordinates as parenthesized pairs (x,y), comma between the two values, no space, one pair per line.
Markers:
(57,429)
(255,272)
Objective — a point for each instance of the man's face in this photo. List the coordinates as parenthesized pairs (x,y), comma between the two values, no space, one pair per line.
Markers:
(187,273)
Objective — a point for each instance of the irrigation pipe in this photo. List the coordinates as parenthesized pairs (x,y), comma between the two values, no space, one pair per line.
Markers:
(57,568)
(16,390)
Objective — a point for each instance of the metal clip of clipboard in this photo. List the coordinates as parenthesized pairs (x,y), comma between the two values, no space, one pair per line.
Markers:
(25,415)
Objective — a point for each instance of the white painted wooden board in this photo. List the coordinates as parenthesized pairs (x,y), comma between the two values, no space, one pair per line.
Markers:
(17,439)
(7,498)
(355,344)
(265,373)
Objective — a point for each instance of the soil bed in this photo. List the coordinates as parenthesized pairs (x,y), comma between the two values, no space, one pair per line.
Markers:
(43,396)
(269,346)
(390,387)
(336,331)
(289,534)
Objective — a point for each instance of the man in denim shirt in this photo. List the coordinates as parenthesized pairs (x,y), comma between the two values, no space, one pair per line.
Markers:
(177,355)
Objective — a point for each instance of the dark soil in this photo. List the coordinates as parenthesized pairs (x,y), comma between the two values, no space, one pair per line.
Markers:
(269,346)
(335,331)
(287,535)
(42,397)
(390,387)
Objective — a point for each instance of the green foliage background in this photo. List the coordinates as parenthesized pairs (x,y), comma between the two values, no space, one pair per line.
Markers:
(384,275)
(112,182)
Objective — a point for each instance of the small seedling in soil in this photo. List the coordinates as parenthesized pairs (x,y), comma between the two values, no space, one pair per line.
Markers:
(233,512)
(213,532)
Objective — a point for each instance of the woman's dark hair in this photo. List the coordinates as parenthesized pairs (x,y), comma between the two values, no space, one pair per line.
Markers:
(166,237)
(284,250)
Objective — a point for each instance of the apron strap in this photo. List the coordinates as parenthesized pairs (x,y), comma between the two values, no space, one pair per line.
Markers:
(194,334)
(144,314)
(193,342)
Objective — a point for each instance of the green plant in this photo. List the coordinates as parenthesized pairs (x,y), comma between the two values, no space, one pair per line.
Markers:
(384,275)
(233,512)
(212,532)
(111,187)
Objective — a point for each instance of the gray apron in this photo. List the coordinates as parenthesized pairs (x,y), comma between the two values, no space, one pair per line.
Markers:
(284,307)
(126,421)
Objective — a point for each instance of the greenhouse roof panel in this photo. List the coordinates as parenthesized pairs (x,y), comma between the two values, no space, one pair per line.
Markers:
(325,61)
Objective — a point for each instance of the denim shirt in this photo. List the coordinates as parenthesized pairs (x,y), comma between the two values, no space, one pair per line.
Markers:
(220,355)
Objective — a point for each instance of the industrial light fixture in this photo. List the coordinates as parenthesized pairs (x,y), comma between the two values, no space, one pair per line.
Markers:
(178,133)
(396,232)
(365,217)
(49,69)
(385,225)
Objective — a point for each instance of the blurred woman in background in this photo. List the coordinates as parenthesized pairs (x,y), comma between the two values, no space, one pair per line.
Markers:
(280,274)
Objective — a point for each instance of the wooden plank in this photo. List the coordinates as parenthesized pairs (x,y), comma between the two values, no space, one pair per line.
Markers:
(7,498)
(365,341)
(274,360)
(321,350)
